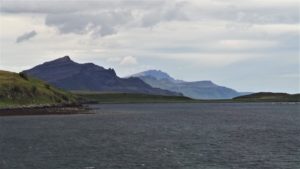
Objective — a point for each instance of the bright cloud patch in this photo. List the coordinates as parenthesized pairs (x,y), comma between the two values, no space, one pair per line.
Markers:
(128,61)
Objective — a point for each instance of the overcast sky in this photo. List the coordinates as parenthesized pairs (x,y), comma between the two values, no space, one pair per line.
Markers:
(248,45)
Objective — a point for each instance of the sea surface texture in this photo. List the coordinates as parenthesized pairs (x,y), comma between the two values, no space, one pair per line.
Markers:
(156,136)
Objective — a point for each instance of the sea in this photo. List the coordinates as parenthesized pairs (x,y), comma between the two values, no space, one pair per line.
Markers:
(156,136)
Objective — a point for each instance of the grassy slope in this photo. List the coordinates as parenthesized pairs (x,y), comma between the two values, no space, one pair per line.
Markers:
(269,97)
(130,98)
(18,89)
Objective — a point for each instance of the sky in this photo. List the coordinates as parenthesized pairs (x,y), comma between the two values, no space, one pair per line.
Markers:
(248,45)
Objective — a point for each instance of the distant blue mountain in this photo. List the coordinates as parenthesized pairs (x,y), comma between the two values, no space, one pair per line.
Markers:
(196,90)
(67,74)
(157,74)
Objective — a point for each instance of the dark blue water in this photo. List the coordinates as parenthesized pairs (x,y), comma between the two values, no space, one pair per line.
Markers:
(156,136)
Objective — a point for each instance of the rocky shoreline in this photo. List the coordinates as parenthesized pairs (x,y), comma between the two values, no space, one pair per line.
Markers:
(45,110)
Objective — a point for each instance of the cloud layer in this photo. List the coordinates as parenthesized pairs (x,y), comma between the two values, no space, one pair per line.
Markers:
(191,39)
(105,17)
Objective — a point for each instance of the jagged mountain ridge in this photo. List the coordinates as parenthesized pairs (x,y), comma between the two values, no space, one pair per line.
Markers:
(69,75)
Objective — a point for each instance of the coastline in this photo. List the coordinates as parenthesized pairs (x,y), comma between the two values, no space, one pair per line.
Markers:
(71,109)
(64,109)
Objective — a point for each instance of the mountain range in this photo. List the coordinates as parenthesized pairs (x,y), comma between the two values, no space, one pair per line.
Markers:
(69,75)
(196,89)
(66,74)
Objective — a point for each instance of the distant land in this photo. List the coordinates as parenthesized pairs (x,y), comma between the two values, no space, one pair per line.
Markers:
(65,82)
(69,75)
(144,98)
(21,94)
(269,97)
(20,89)
(195,90)
(131,98)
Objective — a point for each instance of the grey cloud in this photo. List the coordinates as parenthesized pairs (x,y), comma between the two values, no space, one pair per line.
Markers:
(262,15)
(71,6)
(26,36)
(102,23)
(108,22)
(168,12)
(53,7)
(254,14)
(102,18)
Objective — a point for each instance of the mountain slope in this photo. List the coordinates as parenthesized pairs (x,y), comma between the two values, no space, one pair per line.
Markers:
(196,90)
(19,89)
(67,74)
